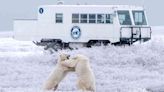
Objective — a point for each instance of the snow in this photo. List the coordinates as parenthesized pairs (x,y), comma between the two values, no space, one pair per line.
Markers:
(5,34)
(138,68)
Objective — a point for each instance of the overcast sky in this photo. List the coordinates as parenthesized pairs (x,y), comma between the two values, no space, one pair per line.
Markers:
(27,9)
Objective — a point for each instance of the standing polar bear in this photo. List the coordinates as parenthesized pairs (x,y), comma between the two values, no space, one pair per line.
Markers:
(57,74)
(86,79)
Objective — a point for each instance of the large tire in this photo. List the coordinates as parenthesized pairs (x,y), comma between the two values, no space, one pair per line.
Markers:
(53,45)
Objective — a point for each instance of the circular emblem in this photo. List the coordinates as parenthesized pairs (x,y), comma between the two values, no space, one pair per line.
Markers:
(41,10)
(75,32)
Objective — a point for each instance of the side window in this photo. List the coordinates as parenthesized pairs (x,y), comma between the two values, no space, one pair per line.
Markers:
(75,18)
(59,18)
(100,18)
(109,19)
(124,17)
(83,18)
(139,18)
(92,18)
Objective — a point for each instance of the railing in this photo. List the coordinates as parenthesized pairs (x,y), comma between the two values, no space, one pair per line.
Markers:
(132,33)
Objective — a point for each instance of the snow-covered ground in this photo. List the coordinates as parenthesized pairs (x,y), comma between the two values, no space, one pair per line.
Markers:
(24,66)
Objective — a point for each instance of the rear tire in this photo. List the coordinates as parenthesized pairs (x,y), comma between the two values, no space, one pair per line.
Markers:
(98,43)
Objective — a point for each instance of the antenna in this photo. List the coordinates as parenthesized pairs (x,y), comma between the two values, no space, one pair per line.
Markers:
(143,3)
(78,4)
(60,2)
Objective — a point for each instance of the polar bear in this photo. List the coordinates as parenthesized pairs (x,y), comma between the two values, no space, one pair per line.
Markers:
(86,79)
(58,73)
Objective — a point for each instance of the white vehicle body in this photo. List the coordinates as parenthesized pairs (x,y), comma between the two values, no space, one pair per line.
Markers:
(91,22)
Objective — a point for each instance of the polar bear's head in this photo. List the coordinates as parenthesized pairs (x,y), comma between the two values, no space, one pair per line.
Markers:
(64,57)
(73,62)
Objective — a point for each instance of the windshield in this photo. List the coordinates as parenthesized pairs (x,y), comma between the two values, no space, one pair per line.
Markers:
(139,18)
(124,17)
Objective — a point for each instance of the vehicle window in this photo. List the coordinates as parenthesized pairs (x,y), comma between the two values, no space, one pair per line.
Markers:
(100,18)
(139,18)
(83,18)
(124,17)
(75,18)
(92,18)
(109,19)
(59,18)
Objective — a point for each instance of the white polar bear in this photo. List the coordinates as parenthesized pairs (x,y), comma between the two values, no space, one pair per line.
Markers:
(86,79)
(57,74)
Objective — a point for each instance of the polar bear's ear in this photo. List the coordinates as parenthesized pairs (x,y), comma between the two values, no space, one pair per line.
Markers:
(68,56)
(64,56)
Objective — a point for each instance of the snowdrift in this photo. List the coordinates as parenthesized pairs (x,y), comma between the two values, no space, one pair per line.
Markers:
(24,66)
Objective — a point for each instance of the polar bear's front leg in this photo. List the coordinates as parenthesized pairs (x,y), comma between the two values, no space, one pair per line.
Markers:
(69,63)
(81,85)
(50,86)
(55,87)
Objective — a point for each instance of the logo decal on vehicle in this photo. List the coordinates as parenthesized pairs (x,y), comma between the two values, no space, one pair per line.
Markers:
(75,32)
(41,10)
